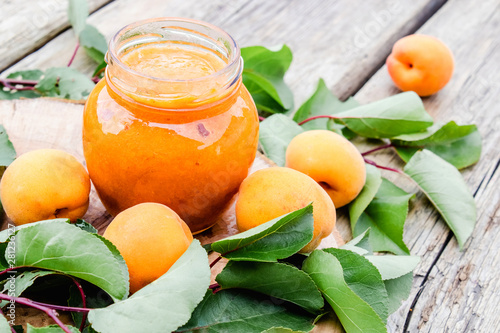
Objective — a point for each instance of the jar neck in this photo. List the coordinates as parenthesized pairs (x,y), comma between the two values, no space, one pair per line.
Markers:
(173,92)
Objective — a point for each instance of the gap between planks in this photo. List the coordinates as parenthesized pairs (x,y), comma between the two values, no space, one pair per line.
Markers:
(441,251)
(53,33)
(429,10)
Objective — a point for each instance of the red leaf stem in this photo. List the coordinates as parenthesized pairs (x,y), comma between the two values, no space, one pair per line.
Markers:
(383,167)
(389,145)
(74,54)
(47,308)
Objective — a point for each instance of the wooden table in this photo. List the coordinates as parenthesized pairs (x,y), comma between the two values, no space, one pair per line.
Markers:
(346,43)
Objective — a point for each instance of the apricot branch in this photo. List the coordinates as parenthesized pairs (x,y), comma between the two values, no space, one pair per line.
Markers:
(74,54)
(215,288)
(11,328)
(55,306)
(212,264)
(84,302)
(9,270)
(317,117)
(389,145)
(49,309)
(383,167)
(12,84)
(19,81)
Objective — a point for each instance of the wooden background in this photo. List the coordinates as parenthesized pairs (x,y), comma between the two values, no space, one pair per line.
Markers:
(346,43)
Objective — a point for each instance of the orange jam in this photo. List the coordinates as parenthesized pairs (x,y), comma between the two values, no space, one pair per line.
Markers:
(171,122)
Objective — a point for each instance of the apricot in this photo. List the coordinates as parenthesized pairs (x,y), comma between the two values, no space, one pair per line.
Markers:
(272,192)
(45,184)
(331,160)
(150,237)
(420,63)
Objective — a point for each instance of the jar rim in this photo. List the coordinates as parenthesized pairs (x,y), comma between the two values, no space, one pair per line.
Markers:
(233,49)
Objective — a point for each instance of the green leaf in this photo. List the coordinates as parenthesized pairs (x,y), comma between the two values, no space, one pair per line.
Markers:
(12,229)
(64,82)
(276,239)
(393,267)
(458,145)
(4,324)
(275,134)
(372,184)
(7,151)
(163,305)
(116,254)
(89,329)
(263,101)
(78,11)
(8,94)
(31,74)
(99,69)
(446,189)
(364,279)
(50,329)
(85,226)
(17,94)
(400,114)
(337,127)
(94,43)
(263,76)
(62,247)
(23,281)
(3,262)
(243,311)
(385,216)
(353,312)
(94,298)
(18,328)
(360,244)
(274,279)
(398,290)
(322,102)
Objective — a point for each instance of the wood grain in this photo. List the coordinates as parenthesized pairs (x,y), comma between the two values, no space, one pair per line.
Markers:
(461,291)
(29,25)
(342,41)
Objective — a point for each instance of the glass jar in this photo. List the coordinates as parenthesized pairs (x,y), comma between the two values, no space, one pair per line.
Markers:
(171,122)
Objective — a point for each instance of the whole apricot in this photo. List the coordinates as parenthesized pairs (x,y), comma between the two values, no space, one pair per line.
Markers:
(150,237)
(420,63)
(45,184)
(331,160)
(272,192)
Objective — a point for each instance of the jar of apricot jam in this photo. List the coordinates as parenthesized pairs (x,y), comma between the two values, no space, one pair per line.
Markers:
(171,122)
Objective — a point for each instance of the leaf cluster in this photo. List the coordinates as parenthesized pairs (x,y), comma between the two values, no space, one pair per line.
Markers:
(44,250)
(265,279)
(265,286)
(432,152)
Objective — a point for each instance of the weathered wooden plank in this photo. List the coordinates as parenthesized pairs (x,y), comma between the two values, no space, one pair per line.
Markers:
(27,25)
(461,291)
(342,41)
